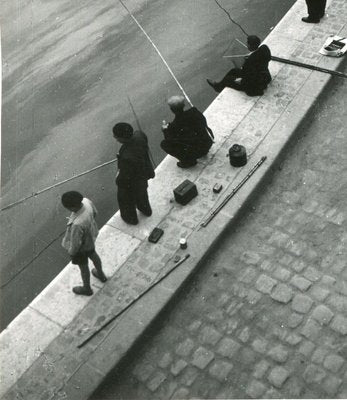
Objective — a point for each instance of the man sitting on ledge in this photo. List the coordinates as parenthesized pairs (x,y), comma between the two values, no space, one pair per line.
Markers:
(187,137)
(254,74)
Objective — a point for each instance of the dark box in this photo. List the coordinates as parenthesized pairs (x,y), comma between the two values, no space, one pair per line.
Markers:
(185,192)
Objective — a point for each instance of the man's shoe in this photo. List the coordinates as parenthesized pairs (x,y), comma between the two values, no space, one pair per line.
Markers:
(186,164)
(101,277)
(81,290)
(309,20)
(213,84)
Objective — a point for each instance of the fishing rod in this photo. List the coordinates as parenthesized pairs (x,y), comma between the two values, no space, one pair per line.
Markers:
(157,50)
(232,20)
(103,326)
(232,194)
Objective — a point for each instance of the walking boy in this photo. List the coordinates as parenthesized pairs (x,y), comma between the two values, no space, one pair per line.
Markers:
(79,239)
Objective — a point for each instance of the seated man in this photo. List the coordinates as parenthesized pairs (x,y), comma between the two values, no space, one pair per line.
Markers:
(187,137)
(254,74)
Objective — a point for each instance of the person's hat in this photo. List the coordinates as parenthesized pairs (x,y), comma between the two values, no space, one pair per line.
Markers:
(122,130)
(176,101)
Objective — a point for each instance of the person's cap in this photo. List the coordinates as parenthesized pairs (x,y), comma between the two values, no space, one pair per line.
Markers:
(176,101)
(253,40)
(71,199)
(122,130)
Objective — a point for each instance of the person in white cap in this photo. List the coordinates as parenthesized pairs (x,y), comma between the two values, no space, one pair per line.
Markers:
(187,137)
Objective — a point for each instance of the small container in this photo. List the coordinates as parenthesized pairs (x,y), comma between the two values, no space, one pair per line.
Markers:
(183,243)
(237,155)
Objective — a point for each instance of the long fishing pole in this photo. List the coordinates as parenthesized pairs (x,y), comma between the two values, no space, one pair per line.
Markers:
(103,326)
(229,16)
(232,194)
(157,50)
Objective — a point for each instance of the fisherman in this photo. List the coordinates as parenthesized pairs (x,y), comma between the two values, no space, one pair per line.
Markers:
(134,170)
(79,239)
(254,74)
(315,10)
(187,137)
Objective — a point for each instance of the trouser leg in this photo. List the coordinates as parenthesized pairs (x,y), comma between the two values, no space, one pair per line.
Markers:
(314,9)
(127,204)
(175,149)
(97,262)
(85,274)
(229,79)
(141,197)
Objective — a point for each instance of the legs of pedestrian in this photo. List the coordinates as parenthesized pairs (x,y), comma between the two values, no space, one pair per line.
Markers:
(97,271)
(315,10)
(127,205)
(141,198)
(86,289)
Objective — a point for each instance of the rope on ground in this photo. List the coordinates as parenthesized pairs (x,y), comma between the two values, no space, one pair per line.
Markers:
(157,50)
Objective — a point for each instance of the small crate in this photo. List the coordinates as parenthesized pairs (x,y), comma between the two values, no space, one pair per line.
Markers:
(185,192)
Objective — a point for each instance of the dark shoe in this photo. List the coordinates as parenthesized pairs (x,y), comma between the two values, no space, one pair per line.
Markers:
(82,290)
(130,221)
(186,164)
(214,85)
(101,278)
(309,20)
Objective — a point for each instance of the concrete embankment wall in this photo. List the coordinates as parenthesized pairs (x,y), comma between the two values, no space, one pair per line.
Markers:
(39,350)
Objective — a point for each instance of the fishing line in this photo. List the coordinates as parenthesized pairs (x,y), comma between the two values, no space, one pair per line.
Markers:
(157,50)
(229,16)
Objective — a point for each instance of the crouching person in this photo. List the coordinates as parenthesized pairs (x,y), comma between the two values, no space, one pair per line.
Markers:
(187,137)
(79,239)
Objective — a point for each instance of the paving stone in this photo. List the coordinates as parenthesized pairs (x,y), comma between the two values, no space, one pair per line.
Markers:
(267,266)
(339,324)
(331,385)
(333,363)
(300,282)
(278,376)
(202,357)
(260,369)
(156,381)
(255,389)
(301,303)
(188,376)
(319,355)
(259,345)
(247,356)
(319,293)
(312,274)
(338,302)
(272,394)
(282,274)
(185,348)
(181,393)
(194,326)
(314,374)
(278,353)
(209,335)
(282,293)
(306,348)
(244,335)
(293,339)
(265,284)
(295,320)
(328,280)
(165,361)
(311,329)
(177,367)
(247,275)
(223,299)
(220,370)
(294,388)
(228,347)
(143,371)
(322,314)
(298,265)
(253,297)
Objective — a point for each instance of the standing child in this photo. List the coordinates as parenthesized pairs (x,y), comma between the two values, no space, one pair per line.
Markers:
(79,239)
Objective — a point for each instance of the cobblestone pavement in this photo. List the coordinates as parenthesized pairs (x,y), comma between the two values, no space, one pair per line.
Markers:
(266,317)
